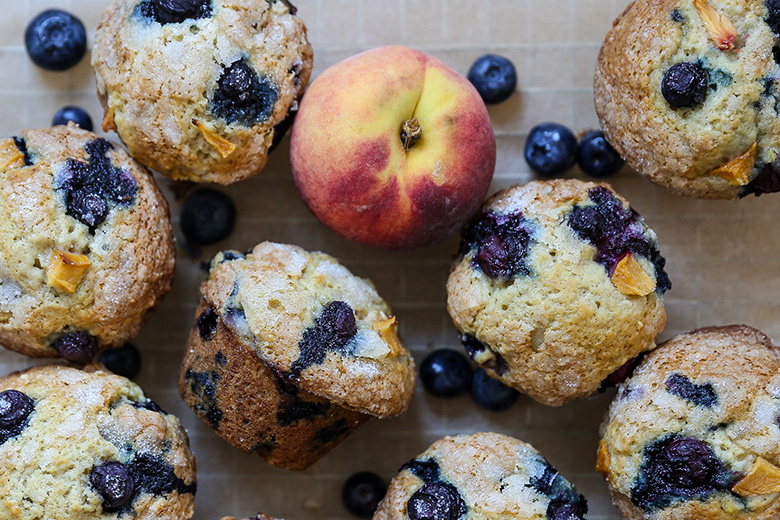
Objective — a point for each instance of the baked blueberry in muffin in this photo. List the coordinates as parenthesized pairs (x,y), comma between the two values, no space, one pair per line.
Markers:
(556,285)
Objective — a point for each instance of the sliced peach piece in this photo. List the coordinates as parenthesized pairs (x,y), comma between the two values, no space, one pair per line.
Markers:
(630,278)
(603,458)
(721,31)
(10,155)
(66,270)
(388,330)
(737,171)
(222,145)
(762,479)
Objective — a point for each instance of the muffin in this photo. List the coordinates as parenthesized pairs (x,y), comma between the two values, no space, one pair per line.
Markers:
(290,352)
(556,285)
(480,476)
(86,247)
(200,90)
(86,444)
(694,433)
(686,91)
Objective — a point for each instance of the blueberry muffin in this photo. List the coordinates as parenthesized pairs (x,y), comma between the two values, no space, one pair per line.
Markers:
(556,285)
(86,247)
(695,432)
(87,444)
(687,92)
(290,352)
(480,476)
(200,90)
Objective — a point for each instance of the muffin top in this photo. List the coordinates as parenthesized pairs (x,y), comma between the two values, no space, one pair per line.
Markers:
(694,433)
(86,245)
(312,321)
(686,92)
(78,445)
(195,89)
(480,476)
(556,285)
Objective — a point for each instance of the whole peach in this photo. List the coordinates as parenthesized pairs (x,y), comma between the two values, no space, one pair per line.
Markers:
(393,149)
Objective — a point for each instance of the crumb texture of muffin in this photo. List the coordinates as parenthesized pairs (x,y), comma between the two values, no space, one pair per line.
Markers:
(289,352)
(686,91)
(694,433)
(86,444)
(481,476)
(200,90)
(557,284)
(86,248)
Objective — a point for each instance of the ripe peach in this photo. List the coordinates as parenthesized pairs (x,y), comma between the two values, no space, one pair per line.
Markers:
(393,149)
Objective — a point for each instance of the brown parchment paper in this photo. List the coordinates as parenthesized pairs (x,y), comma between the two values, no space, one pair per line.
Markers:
(723,257)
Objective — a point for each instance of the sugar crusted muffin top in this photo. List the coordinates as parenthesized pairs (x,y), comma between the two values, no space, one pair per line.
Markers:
(480,476)
(695,432)
(87,245)
(723,141)
(196,89)
(89,444)
(309,318)
(556,285)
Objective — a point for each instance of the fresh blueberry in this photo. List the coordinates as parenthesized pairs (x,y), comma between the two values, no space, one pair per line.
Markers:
(76,347)
(685,85)
(207,216)
(491,393)
(332,331)
(436,501)
(55,40)
(494,77)
(155,475)
(362,492)
(175,11)
(446,373)
(124,361)
(243,97)
(76,114)
(551,149)
(113,482)
(597,157)
(15,408)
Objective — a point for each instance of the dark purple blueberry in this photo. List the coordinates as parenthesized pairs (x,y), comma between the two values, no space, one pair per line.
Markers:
(597,157)
(773,15)
(176,11)
(148,404)
(685,85)
(76,347)
(207,324)
(426,470)
(242,96)
(677,16)
(55,40)
(332,331)
(203,386)
(75,114)
(474,347)
(436,501)
(551,149)
(587,222)
(362,492)
(700,395)
(445,373)
(558,510)
(490,393)
(92,187)
(124,361)
(155,476)
(113,482)
(501,242)
(21,145)
(622,373)
(207,216)
(679,468)
(767,181)
(494,77)
(15,408)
